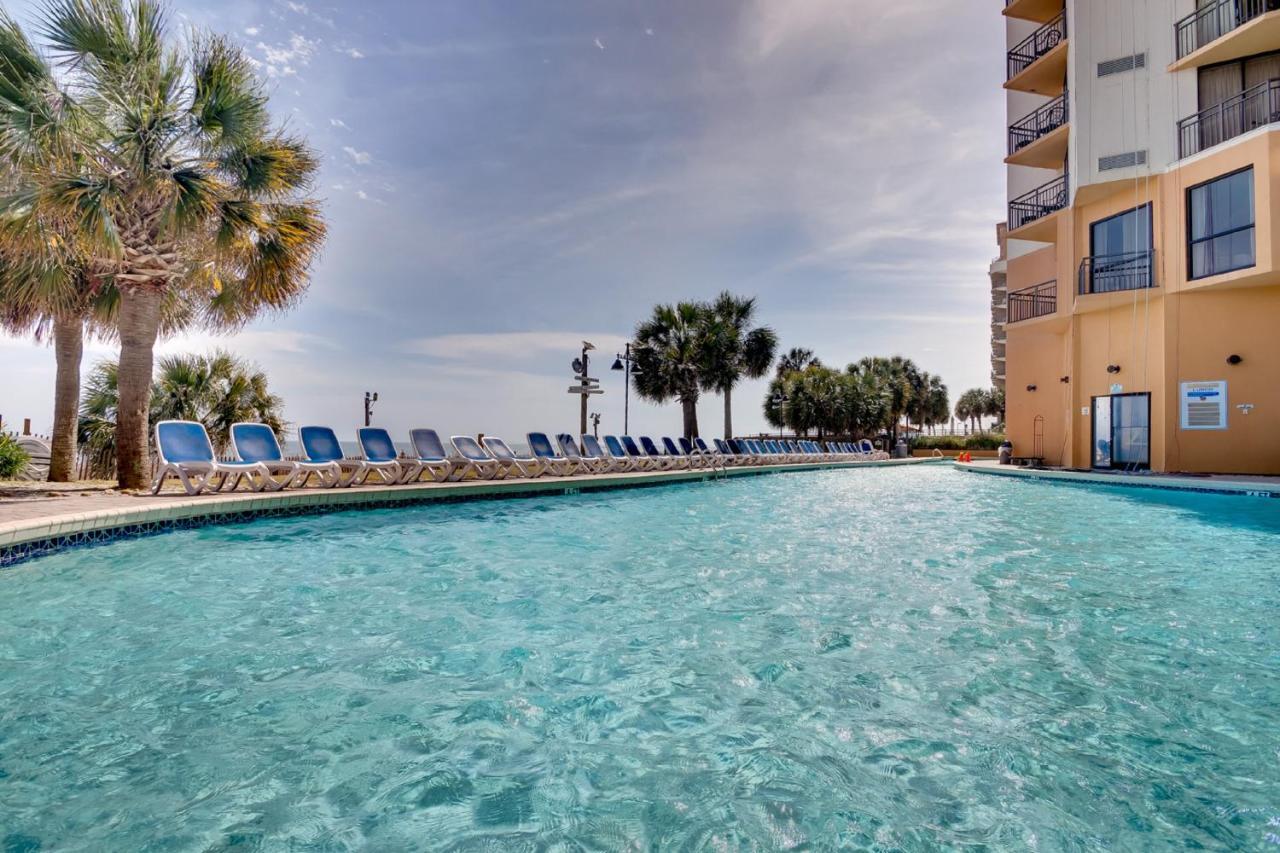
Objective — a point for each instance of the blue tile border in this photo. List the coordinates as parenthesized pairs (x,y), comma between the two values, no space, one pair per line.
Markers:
(21,552)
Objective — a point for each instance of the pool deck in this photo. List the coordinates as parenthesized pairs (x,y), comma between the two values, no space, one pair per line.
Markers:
(1235,484)
(39,522)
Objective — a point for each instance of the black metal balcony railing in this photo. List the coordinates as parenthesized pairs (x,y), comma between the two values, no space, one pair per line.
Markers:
(1215,20)
(1032,302)
(1038,203)
(1233,117)
(1047,119)
(1037,45)
(1115,273)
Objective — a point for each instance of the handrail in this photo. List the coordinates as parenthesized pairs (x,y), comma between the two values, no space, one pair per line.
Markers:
(1212,22)
(1045,120)
(1039,202)
(1036,45)
(1254,107)
(1031,302)
(1116,273)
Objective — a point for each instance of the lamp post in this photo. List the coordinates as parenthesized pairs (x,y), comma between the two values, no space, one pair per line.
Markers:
(625,362)
(370,397)
(780,400)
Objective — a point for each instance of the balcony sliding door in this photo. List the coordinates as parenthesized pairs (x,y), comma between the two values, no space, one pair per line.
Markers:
(1120,252)
(1122,431)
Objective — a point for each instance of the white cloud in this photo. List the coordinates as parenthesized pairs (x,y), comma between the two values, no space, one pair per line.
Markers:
(599,44)
(337,122)
(361,158)
(351,52)
(362,195)
(510,345)
(281,58)
(251,31)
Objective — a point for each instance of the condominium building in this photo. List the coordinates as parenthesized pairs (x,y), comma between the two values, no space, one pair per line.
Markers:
(999,309)
(1143,267)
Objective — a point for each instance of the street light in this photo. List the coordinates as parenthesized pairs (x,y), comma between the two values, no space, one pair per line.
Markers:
(370,397)
(625,362)
(780,400)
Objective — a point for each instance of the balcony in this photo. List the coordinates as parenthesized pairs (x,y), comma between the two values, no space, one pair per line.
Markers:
(1035,206)
(1040,139)
(1117,273)
(1251,109)
(1040,11)
(1224,30)
(1032,302)
(1039,62)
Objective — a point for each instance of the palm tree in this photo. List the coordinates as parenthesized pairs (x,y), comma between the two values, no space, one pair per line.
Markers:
(972,406)
(217,390)
(165,168)
(797,359)
(671,358)
(734,350)
(899,377)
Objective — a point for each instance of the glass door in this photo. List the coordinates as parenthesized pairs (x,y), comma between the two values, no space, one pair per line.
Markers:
(1101,432)
(1122,431)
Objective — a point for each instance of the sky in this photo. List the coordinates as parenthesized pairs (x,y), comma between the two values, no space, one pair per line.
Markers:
(503,180)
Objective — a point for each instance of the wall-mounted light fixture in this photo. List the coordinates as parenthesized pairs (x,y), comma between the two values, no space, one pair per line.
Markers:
(1113,368)
(1065,380)
(1234,359)
(1031,387)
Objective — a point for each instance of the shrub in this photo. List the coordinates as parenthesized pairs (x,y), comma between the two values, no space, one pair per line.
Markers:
(977,441)
(12,457)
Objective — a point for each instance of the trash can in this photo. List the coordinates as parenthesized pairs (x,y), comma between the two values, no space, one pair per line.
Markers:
(900,451)
(1006,453)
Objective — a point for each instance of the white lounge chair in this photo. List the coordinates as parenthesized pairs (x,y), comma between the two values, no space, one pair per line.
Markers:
(258,443)
(184,451)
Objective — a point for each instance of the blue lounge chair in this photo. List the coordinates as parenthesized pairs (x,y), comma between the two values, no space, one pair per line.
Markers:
(727,454)
(661,461)
(588,462)
(184,450)
(541,447)
(604,460)
(672,448)
(377,448)
(526,466)
(622,460)
(643,461)
(258,443)
(481,461)
(320,444)
(429,452)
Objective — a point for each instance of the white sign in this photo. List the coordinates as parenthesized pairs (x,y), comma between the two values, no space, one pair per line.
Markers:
(582,389)
(1203,405)
(1084,410)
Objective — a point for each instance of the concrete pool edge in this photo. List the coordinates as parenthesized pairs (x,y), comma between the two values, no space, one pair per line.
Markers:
(135,517)
(1223,484)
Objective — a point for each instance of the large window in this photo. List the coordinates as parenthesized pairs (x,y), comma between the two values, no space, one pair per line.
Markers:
(1120,256)
(1220,225)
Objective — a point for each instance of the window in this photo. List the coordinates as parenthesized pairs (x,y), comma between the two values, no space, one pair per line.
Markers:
(1120,253)
(1220,225)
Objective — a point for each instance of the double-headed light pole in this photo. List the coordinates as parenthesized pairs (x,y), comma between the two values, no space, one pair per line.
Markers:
(625,361)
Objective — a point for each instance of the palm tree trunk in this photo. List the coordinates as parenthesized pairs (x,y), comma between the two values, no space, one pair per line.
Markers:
(689,406)
(728,413)
(139,325)
(68,347)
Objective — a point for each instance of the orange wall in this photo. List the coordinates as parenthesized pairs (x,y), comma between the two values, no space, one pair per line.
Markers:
(1178,331)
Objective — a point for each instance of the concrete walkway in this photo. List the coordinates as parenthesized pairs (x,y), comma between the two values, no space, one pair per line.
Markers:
(1246,484)
(43,520)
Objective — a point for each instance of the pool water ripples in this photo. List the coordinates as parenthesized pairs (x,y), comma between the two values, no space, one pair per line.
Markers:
(879,659)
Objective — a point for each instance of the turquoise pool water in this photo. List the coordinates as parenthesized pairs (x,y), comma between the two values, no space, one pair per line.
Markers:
(881,659)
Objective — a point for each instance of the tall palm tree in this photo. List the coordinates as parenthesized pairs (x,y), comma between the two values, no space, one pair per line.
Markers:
(670,358)
(168,171)
(797,359)
(217,390)
(734,350)
(899,377)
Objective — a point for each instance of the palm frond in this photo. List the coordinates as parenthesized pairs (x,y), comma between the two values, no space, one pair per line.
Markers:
(228,108)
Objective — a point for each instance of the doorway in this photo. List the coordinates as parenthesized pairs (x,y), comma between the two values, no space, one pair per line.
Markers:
(1122,431)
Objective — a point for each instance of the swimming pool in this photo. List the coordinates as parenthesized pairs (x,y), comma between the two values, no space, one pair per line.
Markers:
(878,657)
